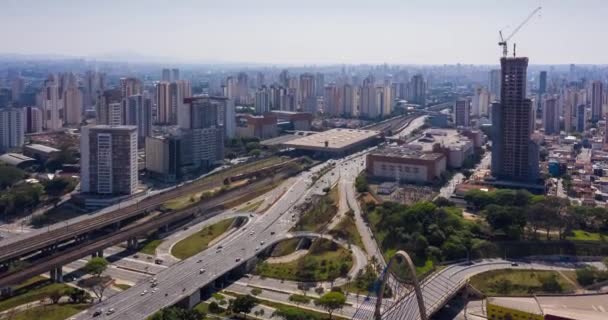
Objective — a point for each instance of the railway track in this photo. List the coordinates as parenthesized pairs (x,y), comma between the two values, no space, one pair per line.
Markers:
(39,241)
(66,256)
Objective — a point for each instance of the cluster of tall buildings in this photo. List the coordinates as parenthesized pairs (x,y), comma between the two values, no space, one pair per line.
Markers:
(309,92)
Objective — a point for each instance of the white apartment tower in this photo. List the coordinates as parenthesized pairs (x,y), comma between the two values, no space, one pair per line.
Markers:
(108,160)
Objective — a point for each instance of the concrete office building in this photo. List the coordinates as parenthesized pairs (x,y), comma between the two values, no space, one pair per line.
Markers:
(207,132)
(597,100)
(262,127)
(108,164)
(550,116)
(515,156)
(33,119)
(138,112)
(404,164)
(480,102)
(163,157)
(332,100)
(455,146)
(12,128)
(368,100)
(109,108)
(462,113)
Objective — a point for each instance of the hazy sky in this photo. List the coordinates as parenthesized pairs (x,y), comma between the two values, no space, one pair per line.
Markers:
(307,31)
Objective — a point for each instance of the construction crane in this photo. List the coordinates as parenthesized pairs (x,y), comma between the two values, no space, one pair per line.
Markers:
(503,41)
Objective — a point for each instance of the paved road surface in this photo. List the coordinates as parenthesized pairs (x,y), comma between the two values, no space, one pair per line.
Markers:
(184,278)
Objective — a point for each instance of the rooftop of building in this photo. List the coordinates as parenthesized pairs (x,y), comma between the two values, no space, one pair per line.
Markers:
(14,159)
(448,138)
(41,148)
(113,127)
(407,153)
(335,139)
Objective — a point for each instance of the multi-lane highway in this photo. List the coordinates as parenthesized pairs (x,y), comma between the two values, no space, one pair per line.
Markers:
(18,246)
(184,279)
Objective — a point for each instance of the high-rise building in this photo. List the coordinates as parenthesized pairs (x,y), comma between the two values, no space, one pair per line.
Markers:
(480,102)
(138,112)
(515,156)
(242,88)
(308,94)
(494,84)
(53,113)
(368,100)
(207,130)
(262,100)
(164,157)
(33,119)
(94,85)
(462,112)
(109,108)
(12,128)
(184,90)
(418,90)
(175,74)
(166,75)
(130,87)
(319,84)
(542,82)
(581,118)
(17,87)
(73,99)
(163,102)
(550,115)
(386,105)
(108,162)
(597,100)
(348,100)
(332,101)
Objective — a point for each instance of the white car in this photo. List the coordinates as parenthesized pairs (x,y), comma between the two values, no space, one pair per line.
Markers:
(201,271)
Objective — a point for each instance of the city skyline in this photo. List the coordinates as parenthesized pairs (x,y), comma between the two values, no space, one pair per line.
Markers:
(272,32)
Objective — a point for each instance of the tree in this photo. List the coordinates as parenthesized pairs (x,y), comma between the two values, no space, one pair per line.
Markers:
(9,176)
(255,153)
(331,302)
(58,186)
(214,307)
(96,266)
(175,313)
(361,184)
(244,304)
(78,295)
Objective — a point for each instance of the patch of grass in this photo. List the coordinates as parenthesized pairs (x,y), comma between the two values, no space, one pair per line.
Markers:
(517,282)
(317,217)
(325,261)
(49,312)
(199,241)
(252,206)
(285,247)
(304,313)
(35,289)
(122,286)
(347,231)
(582,235)
(150,246)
